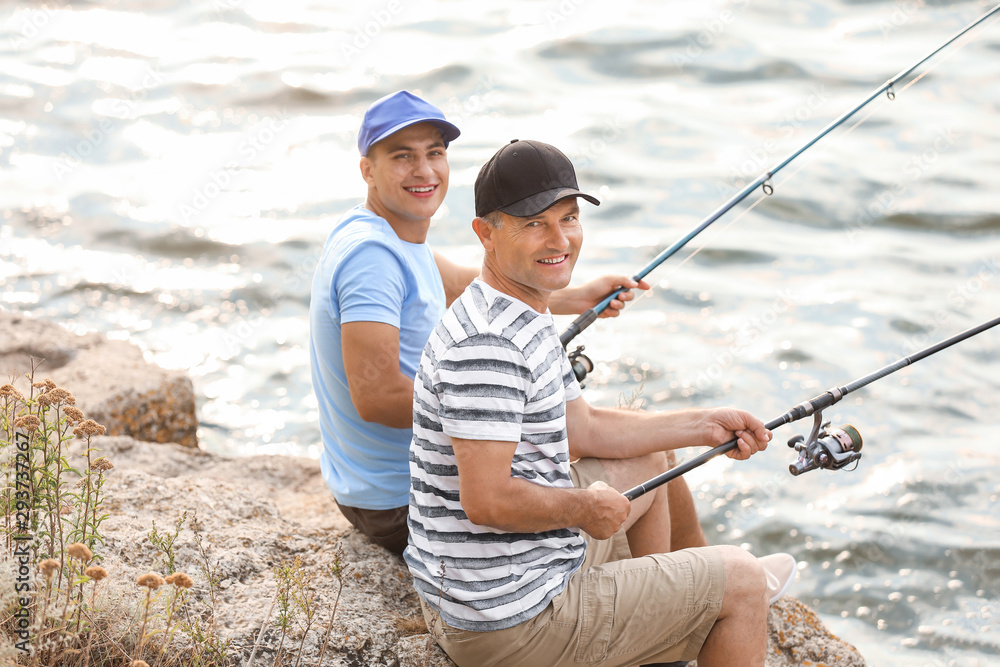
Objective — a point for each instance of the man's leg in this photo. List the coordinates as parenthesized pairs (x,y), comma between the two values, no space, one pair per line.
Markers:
(739,636)
(661,520)
(685,529)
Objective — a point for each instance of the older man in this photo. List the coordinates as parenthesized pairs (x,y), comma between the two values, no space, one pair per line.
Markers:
(522,548)
(378,291)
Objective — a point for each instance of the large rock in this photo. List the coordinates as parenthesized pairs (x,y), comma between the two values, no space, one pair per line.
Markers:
(261,511)
(112,382)
(256,514)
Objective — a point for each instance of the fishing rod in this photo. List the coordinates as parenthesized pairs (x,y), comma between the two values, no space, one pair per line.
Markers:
(581,364)
(830,448)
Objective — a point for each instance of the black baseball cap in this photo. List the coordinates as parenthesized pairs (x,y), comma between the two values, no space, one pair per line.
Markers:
(524,178)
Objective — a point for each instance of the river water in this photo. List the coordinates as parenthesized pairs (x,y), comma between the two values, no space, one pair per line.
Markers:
(170,171)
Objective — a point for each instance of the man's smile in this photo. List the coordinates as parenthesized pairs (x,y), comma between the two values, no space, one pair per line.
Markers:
(421,190)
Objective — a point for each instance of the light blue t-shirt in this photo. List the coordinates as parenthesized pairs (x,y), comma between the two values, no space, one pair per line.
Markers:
(367,274)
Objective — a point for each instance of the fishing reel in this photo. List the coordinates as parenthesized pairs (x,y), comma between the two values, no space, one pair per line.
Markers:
(580,363)
(830,448)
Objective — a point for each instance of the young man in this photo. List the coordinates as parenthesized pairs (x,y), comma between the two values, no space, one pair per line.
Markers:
(521,557)
(377,293)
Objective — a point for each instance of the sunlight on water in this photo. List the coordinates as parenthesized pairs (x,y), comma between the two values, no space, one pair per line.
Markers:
(170,172)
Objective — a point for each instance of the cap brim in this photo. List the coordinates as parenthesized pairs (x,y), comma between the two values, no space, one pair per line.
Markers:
(448,131)
(537,203)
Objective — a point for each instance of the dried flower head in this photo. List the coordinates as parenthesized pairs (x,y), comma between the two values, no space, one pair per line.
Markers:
(29,423)
(96,572)
(101,464)
(48,566)
(87,428)
(139,663)
(79,551)
(150,580)
(9,390)
(180,580)
(47,384)
(75,415)
(60,396)
(65,510)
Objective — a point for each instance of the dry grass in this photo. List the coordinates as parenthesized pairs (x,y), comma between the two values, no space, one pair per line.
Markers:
(59,606)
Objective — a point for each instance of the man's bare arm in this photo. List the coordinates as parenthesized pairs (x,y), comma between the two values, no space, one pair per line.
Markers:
(381,393)
(455,277)
(492,497)
(615,433)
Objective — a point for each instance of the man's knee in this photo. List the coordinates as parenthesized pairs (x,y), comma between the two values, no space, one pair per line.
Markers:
(746,583)
(626,473)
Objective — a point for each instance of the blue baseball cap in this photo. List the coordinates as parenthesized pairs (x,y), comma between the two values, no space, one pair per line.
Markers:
(392,113)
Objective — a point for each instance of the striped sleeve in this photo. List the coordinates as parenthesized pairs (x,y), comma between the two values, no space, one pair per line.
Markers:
(482,395)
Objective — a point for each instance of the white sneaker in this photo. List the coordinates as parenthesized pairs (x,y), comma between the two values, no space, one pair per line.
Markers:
(780,571)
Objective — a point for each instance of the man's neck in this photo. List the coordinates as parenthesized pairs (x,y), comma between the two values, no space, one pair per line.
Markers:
(534,299)
(409,230)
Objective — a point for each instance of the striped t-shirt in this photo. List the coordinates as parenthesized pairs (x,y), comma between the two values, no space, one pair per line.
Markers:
(492,370)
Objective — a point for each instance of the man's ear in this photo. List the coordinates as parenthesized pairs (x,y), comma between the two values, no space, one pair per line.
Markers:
(367,168)
(484,231)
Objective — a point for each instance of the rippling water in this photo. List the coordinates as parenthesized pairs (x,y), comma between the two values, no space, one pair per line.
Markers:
(170,172)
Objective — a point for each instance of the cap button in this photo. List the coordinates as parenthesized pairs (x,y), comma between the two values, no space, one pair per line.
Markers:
(514,141)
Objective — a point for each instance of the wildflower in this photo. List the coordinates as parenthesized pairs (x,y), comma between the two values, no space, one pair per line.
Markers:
(180,579)
(46,385)
(48,566)
(75,415)
(59,396)
(101,464)
(96,572)
(150,580)
(9,390)
(88,427)
(79,551)
(29,423)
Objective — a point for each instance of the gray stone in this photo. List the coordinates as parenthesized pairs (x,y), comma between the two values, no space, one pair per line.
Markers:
(111,381)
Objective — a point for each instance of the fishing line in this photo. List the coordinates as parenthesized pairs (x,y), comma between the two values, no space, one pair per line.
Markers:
(828,448)
(582,365)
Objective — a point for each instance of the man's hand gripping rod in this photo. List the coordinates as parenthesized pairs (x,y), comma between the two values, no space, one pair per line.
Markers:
(812,452)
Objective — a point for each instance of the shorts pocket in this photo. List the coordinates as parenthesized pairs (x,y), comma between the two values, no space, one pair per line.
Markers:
(598,614)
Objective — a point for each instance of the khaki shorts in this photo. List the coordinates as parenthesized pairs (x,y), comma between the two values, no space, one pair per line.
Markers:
(615,610)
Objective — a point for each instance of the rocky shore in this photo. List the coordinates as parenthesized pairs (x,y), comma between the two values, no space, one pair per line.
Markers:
(248,517)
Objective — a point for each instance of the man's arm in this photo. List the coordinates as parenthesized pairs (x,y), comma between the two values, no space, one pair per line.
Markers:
(575,300)
(615,433)
(455,277)
(492,497)
(381,393)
